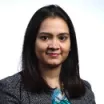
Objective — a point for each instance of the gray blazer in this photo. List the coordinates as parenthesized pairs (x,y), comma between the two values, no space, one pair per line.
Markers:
(12,92)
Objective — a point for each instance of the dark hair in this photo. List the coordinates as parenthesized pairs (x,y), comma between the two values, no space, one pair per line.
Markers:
(69,76)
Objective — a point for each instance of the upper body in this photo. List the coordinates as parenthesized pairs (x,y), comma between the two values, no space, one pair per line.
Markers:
(13,92)
(49,61)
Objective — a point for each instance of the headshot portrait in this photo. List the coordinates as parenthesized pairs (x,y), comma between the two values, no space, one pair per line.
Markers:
(49,63)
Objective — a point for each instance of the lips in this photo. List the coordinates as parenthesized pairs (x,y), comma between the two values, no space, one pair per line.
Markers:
(53,54)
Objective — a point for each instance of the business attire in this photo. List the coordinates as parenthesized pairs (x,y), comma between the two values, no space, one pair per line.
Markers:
(13,92)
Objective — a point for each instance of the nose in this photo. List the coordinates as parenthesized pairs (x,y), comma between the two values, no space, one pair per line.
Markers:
(54,44)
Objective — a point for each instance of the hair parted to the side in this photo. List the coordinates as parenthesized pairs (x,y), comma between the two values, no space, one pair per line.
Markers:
(69,76)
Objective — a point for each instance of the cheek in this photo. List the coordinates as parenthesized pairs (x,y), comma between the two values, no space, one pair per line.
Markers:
(40,47)
(66,48)
(65,51)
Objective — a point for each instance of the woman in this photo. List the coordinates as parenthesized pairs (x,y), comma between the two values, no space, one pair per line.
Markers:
(50,65)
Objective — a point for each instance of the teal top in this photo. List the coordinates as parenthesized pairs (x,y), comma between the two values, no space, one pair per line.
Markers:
(59,98)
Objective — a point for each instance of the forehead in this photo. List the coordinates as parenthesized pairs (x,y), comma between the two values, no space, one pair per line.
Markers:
(55,24)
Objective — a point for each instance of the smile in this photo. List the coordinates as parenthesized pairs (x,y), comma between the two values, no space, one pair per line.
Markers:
(53,54)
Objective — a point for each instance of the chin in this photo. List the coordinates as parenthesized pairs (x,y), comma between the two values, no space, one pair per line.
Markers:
(54,64)
(51,67)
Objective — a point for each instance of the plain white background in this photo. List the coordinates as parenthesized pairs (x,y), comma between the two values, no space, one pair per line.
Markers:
(88,20)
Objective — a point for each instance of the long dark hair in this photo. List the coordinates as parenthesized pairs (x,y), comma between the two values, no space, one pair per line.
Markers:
(69,76)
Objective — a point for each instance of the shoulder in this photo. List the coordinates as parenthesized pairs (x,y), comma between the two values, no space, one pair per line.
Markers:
(9,88)
(87,84)
(89,94)
(88,97)
(11,81)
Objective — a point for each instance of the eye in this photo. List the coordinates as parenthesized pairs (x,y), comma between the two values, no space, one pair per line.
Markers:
(63,38)
(44,38)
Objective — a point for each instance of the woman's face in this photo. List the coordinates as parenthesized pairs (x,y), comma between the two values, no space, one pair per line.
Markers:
(53,42)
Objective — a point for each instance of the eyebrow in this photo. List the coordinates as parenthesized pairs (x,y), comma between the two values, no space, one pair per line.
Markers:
(47,33)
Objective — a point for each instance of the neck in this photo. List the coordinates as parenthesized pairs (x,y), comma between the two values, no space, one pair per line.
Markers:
(51,75)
